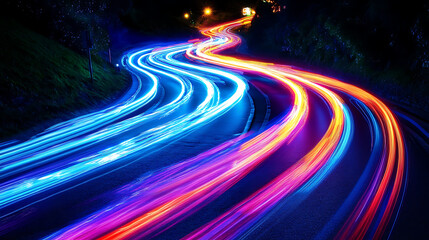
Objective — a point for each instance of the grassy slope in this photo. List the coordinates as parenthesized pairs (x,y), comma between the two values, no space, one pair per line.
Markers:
(42,80)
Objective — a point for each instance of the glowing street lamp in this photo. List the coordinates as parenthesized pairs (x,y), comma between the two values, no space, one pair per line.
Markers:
(247,11)
(186,15)
(207,11)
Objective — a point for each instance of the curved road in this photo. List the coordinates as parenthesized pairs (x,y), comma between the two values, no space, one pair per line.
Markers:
(210,146)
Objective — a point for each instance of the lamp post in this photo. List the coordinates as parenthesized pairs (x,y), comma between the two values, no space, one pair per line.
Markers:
(87,39)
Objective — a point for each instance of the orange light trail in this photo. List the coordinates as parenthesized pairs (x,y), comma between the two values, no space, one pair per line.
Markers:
(393,159)
(182,189)
(306,167)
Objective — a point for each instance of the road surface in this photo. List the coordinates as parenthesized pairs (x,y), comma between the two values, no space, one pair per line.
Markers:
(206,145)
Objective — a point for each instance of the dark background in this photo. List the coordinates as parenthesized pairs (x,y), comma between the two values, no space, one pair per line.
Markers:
(380,43)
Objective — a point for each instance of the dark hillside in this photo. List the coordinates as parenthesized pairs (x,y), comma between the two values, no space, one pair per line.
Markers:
(380,44)
(42,80)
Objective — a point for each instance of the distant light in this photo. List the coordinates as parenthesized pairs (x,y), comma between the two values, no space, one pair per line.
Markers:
(247,11)
(207,11)
(186,15)
(117,65)
(253,12)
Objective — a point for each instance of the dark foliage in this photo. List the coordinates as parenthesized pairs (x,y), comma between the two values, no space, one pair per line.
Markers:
(164,16)
(383,42)
(67,21)
(43,81)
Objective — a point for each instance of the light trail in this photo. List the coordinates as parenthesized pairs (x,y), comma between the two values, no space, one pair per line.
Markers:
(237,220)
(232,223)
(196,188)
(393,158)
(159,200)
(192,188)
(211,107)
(390,170)
(43,156)
(84,124)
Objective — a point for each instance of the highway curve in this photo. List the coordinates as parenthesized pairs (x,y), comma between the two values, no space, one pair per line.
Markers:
(211,146)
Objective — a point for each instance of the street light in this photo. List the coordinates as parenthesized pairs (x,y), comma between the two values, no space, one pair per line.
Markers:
(186,15)
(207,11)
(247,11)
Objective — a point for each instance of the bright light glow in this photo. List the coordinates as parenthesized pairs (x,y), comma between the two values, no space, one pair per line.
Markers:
(207,11)
(247,11)
(186,15)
